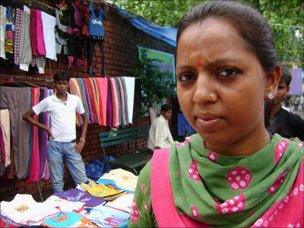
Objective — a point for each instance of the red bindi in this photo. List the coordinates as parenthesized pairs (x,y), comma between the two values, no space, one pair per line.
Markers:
(199,63)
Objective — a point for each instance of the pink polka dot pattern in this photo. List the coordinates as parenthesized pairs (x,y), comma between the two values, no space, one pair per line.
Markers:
(193,172)
(134,213)
(212,156)
(277,183)
(280,149)
(179,145)
(301,144)
(233,205)
(239,178)
(287,212)
(195,212)
(143,187)
(146,207)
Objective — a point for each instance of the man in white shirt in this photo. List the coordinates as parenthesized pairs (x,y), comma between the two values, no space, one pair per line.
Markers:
(159,133)
(62,108)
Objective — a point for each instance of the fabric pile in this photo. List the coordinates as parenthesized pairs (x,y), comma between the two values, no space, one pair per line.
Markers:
(88,205)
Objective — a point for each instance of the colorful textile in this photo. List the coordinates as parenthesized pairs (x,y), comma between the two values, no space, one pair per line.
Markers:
(2,31)
(6,133)
(102,84)
(9,33)
(99,190)
(77,195)
(68,219)
(35,161)
(20,130)
(264,189)
(106,217)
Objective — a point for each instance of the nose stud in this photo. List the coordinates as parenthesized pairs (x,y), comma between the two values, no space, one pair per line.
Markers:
(212,96)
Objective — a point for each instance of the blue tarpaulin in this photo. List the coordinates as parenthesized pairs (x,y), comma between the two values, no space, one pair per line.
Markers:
(167,34)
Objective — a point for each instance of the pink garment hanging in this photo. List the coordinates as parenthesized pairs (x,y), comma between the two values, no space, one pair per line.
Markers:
(40,35)
(102,84)
(74,89)
(115,104)
(36,33)
(35,163)
(162,199)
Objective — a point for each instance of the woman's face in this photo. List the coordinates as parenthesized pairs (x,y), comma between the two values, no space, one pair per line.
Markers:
(220,83)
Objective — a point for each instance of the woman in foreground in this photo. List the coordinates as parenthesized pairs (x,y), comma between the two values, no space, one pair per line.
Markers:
(233,172)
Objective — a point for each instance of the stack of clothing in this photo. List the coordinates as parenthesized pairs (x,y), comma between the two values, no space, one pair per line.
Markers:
(106,203)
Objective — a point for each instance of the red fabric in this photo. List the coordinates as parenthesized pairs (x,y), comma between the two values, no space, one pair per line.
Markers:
(102,84)
(162,199)
(34,169)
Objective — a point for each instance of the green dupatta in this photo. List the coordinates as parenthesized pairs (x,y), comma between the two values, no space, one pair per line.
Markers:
(226,191)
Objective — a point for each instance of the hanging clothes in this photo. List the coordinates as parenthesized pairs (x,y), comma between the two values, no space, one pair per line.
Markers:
(84,98)
(25,51)
(130,88)
(102,84)
(48,24)
(43,136)
(9,34)
(34,161)
(18,101)
(96,36)
(74,89)
(61,32)
(2,30)
(6,135)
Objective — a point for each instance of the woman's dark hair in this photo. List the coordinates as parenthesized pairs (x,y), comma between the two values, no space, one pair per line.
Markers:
(248,21)
(61,76)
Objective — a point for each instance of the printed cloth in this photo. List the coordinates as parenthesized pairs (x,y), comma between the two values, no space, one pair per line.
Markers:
(106,217)
(68,219)
(102,191)
(76,195)
(264,189)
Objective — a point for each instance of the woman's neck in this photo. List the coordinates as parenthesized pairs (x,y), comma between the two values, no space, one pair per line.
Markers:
(244,146)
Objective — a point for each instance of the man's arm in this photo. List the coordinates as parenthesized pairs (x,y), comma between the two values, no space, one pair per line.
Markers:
(81,141)
(28,116)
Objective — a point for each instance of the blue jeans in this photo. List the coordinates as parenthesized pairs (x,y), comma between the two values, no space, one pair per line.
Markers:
(59,151)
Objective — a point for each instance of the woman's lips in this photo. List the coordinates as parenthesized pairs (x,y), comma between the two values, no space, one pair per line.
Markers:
(207,121)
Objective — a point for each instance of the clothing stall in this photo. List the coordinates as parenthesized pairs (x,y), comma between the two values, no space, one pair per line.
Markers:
(33,36)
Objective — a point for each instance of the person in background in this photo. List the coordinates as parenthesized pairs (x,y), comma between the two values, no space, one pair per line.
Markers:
(233,173)
(159,132)
(62,145)
(283,122)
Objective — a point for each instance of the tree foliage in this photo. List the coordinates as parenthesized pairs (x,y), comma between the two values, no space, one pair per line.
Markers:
(285,17)
(158,86)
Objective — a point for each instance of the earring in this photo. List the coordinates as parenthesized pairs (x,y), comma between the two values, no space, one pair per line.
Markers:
(212,96)
(269,96)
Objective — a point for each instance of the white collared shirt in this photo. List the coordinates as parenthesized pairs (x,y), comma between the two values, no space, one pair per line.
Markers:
(62,115)
(159,133)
